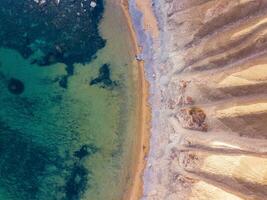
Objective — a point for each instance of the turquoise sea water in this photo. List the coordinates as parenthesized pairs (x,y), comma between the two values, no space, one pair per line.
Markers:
(67,96)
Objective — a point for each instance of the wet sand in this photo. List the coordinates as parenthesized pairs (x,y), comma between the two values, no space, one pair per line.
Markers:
(136,188)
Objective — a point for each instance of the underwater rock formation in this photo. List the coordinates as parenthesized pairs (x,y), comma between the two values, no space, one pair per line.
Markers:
(34,169)
(85,150)
(77,182)
(47,32)
(15,86)
(103,78)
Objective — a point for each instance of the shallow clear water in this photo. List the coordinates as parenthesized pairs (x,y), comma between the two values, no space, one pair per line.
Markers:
(73,142)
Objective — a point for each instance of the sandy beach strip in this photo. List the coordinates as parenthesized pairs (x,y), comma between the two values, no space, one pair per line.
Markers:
(149,20)
(135,191)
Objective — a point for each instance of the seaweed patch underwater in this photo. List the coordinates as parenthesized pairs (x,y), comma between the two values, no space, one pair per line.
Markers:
(56,140)
(48,33)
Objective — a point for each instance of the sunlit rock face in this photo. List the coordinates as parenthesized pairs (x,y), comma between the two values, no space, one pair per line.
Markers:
(217,51)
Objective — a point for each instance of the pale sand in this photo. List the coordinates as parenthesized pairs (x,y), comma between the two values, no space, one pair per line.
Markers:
(149,20)
(136,189)
(189,164)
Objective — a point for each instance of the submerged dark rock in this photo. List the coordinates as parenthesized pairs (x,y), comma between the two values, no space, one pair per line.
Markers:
(77,182)
(66,32)
(103,78)
(63,82)
(26,166)
(86,150)
(15,86)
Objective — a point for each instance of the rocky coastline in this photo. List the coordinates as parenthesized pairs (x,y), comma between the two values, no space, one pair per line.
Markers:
(207,75)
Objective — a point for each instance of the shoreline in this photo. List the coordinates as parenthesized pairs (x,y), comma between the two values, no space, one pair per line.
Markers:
(135,190)
(189,160)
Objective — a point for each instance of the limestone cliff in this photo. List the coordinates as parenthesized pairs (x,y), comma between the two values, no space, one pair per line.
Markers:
(213,110)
